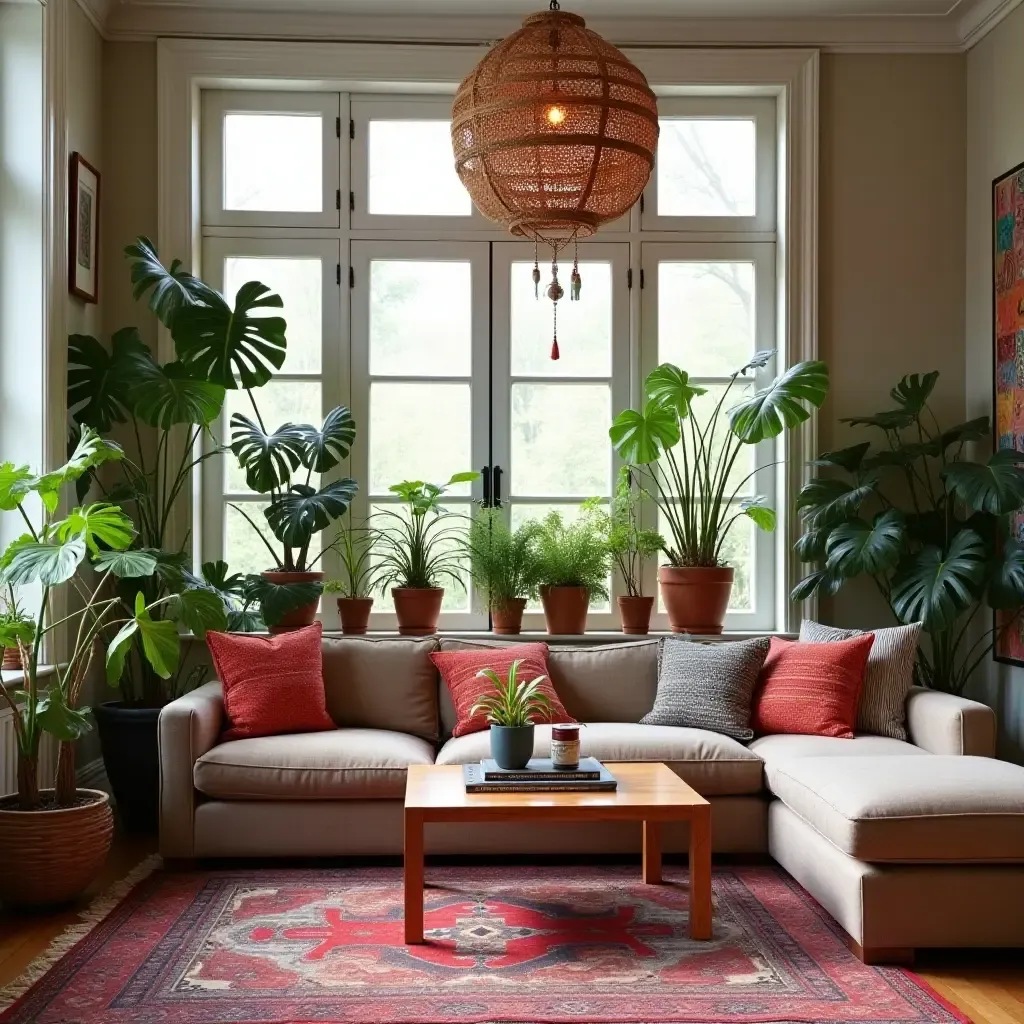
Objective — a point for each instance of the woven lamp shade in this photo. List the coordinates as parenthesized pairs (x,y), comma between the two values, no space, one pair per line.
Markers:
(555,131)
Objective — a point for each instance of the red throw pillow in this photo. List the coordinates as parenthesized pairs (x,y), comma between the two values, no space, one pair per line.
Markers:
(272,685)
(811,689)
(459,671)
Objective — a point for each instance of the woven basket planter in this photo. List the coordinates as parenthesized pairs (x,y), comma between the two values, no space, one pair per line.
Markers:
(49,857)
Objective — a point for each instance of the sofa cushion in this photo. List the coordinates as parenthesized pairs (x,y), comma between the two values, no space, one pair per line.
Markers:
(345,764)
(713,764)
(781,747)
(934,808)
(610,683)
(382,684)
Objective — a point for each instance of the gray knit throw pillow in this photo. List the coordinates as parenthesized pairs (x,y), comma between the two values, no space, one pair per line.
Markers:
(707,686)
(888,677)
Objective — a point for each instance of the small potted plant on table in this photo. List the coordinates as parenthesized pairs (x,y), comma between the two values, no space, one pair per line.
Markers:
(504,566)
(355,549)
(511,711)
(17,627)
(574,566)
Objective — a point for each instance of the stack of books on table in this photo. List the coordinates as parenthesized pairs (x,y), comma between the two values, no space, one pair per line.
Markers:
(539,776)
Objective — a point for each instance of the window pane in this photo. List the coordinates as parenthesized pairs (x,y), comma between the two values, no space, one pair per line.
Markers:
(707,168)
(706,316)
(412,172)
(279,402)
(419,432)
(273,162)
(737,552)
(299,282)
(243,549)
(560,442)
(584,328)
(421,319)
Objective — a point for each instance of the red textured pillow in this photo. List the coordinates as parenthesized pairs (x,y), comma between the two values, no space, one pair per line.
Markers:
(811,689)
(459,671)
(272,685)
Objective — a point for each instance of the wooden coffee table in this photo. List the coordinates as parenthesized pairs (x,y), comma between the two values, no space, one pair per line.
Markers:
(648,793)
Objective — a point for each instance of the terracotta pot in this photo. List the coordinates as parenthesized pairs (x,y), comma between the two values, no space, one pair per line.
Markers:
(635,613)
(696,599)
(508,618)
(418,610)
(355,614)
(305,615)
(565,609)
(49,857)
(12,659)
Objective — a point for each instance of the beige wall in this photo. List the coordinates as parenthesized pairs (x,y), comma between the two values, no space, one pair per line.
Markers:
(995,143)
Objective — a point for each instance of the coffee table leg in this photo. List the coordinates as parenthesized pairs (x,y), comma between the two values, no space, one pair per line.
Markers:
(413,878)
(700,874)
(652,853)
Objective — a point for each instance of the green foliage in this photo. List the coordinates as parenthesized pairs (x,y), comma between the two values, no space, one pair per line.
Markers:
(514,703)
(687,467)
(276,600)
(574,554)
(928,525)
(628,543)
(354,547)
(503,563)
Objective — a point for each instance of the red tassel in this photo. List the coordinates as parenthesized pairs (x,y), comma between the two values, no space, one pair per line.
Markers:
(555,355)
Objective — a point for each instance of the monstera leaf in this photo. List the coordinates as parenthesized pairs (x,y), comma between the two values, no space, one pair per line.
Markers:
(997,487)
(935,588)
(276,600)
(161,644)
(60,720)
(824,502)
(810,547)
(269,459)
(200,610)
(98,380)
(893,419)
(763,517)
(172,290)
(641,437)
(824,581)
(90,451)
(669,387)
(165,396)
(849,459)
(912,393)
(327,447)
(15,483)
(230,347)
(126,564)
(45,562)
(1006,582)
(98,524)
(296,515)
(858,546)
(786,402)
(231,590)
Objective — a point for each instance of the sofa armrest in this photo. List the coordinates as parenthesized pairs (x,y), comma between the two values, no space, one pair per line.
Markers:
(189,727)
(943,723)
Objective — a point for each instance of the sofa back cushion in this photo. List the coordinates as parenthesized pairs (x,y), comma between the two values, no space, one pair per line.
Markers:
(611,683)
(382,684)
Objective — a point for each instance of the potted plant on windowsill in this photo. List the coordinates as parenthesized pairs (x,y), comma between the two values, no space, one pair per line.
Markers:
(354,547)
(504,567)
(512,711)
(17,627)
(53,842)
(688,470)
(419,549)
(574,567)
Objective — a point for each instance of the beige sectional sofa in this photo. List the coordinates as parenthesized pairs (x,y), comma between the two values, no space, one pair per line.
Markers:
(907,844)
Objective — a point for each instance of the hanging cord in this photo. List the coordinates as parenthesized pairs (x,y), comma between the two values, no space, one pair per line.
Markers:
(555,292)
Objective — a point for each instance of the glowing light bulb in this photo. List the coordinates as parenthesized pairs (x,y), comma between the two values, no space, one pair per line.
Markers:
(555,115)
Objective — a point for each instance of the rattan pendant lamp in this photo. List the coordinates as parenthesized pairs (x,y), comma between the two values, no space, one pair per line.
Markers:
(554,135)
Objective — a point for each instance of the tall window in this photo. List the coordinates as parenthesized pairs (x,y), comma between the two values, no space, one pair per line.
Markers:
(405,304)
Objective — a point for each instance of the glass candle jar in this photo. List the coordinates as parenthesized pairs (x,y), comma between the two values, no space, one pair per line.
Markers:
(565,747)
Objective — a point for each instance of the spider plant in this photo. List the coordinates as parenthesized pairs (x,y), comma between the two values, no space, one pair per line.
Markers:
(514,704)
(354,547)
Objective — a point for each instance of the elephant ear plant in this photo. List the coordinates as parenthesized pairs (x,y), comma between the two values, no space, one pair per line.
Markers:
(926,523)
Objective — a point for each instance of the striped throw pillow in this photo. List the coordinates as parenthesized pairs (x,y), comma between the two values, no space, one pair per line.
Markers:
(811,689)
(888,678)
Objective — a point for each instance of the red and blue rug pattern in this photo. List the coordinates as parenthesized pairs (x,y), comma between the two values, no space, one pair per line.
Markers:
(530,945)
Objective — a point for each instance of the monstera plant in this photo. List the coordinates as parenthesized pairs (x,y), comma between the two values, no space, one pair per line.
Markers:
(926,523)
(687,464)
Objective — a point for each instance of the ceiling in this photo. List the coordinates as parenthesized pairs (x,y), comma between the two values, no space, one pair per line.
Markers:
(859,25)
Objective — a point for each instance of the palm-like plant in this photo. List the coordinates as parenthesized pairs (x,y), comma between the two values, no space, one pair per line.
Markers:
(574,554)
(629,544)
(687,467)
(514,704)
(503,563)
(354,547)
(937,545)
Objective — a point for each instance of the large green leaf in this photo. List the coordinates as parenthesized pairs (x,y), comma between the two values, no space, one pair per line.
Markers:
(786,402)
(821,581)
(973,430)
(231,589)
(90,452)
(15,483)
(98,380)
(117,651)
(641,437)
(276,600)
(231,347)
(934,588)
(912,393)
(669,387)
(810,547)
(160,641)
(857,547)
(165,396)
(44,562)
(763,517)
(59,720)
(893,419)
(327,447)
(1006,581)
(199,610)
(268,459)
(98,524)
(845,458)
(825,502)
(126,564)
(302,511)
(172,290)
(996,487)
(14,630)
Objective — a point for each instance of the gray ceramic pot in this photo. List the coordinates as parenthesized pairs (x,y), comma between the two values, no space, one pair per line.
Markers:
(511,748)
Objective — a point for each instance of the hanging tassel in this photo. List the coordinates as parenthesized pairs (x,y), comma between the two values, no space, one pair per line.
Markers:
(555,354)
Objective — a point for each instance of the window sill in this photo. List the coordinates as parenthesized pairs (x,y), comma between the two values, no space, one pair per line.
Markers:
(594,638)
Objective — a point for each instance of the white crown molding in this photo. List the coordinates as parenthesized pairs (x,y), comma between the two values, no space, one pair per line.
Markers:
(98,12)
(981,17)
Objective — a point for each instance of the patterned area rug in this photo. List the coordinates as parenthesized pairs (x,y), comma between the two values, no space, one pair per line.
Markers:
(537,944)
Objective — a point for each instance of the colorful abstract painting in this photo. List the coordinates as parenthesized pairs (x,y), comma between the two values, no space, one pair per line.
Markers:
(1008,213)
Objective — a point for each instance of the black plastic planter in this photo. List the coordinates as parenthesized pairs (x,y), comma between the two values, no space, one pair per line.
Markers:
(128,741)
(512,748)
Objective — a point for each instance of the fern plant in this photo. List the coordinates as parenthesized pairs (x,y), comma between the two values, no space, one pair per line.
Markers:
(514,704)
(628,543)
(574,554)
(504,563)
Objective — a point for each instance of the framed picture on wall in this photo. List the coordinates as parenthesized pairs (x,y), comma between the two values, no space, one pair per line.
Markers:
(1008,375)
(84,229)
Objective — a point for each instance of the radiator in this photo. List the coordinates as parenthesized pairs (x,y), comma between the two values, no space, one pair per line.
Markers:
(9,756)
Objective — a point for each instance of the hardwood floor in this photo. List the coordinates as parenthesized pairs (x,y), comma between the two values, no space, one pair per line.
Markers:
(987,986)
